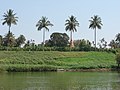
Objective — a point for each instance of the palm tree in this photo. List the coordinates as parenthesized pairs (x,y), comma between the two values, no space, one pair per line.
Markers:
(10,18)
(43,23)
(71,25)
(95,23)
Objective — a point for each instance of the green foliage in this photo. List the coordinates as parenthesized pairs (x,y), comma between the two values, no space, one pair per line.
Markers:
(118,38)
(10,41)
(83,45)
(1,40)
(118,59)
(53,60)
(58,40)
(10,18)
(102,44)
(71,24)
(43,23)
(28,68)
(115,43)
(95,22)
(91,60)
(20,40)
(2,69)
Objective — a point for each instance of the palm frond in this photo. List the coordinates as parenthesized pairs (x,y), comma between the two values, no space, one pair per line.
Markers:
(43,23)
(9,18)
(71,24)
(95,22)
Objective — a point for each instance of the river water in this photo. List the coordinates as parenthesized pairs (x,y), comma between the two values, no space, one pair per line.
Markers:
(60,81)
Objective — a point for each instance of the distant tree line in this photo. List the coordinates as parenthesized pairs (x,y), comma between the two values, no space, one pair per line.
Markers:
(115,43)
(58,41)
(9,40)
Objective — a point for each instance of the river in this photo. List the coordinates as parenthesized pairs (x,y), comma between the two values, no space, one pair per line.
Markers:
(60,81)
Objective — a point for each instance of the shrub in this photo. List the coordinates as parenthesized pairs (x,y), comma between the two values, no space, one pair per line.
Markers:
(29,68)
(118,59)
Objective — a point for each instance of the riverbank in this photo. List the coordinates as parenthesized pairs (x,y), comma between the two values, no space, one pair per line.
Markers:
(89,70)
(19,61)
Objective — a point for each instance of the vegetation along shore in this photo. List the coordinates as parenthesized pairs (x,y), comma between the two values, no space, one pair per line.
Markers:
(19,61)
(60,52)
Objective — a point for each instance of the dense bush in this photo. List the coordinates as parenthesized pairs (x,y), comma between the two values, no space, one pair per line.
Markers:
(29,68)
(118,59)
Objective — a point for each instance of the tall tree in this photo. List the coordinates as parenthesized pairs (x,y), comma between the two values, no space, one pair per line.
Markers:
(10,18)
(95,23)
(20,40)
(58,40)
(9,40)
(43,23)
(71,25)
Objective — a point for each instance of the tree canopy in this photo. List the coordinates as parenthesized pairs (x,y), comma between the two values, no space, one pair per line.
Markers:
(10,18)
(58,40)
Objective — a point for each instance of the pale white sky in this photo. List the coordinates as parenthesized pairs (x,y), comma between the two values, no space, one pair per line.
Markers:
(57,11)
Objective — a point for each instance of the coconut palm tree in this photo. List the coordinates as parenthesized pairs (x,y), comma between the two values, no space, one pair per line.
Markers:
(71,25)
(43,23)
(10,18)
(95,23)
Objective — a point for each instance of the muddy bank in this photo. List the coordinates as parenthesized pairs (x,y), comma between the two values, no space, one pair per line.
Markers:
(89,70)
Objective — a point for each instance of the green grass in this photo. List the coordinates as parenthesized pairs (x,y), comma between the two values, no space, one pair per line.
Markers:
(91,60)
(53,60)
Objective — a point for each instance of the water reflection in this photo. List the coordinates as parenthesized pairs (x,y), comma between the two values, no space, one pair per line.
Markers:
(60,81)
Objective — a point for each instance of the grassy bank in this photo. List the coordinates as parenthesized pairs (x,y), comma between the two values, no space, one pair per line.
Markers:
(51,61)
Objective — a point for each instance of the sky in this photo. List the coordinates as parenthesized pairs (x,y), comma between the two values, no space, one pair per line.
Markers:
(57,11)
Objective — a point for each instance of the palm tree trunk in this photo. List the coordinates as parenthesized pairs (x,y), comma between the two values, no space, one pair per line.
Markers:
(9,36)
(71,36)
(43,38)
(9,28)
(71,40)
(95,38)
